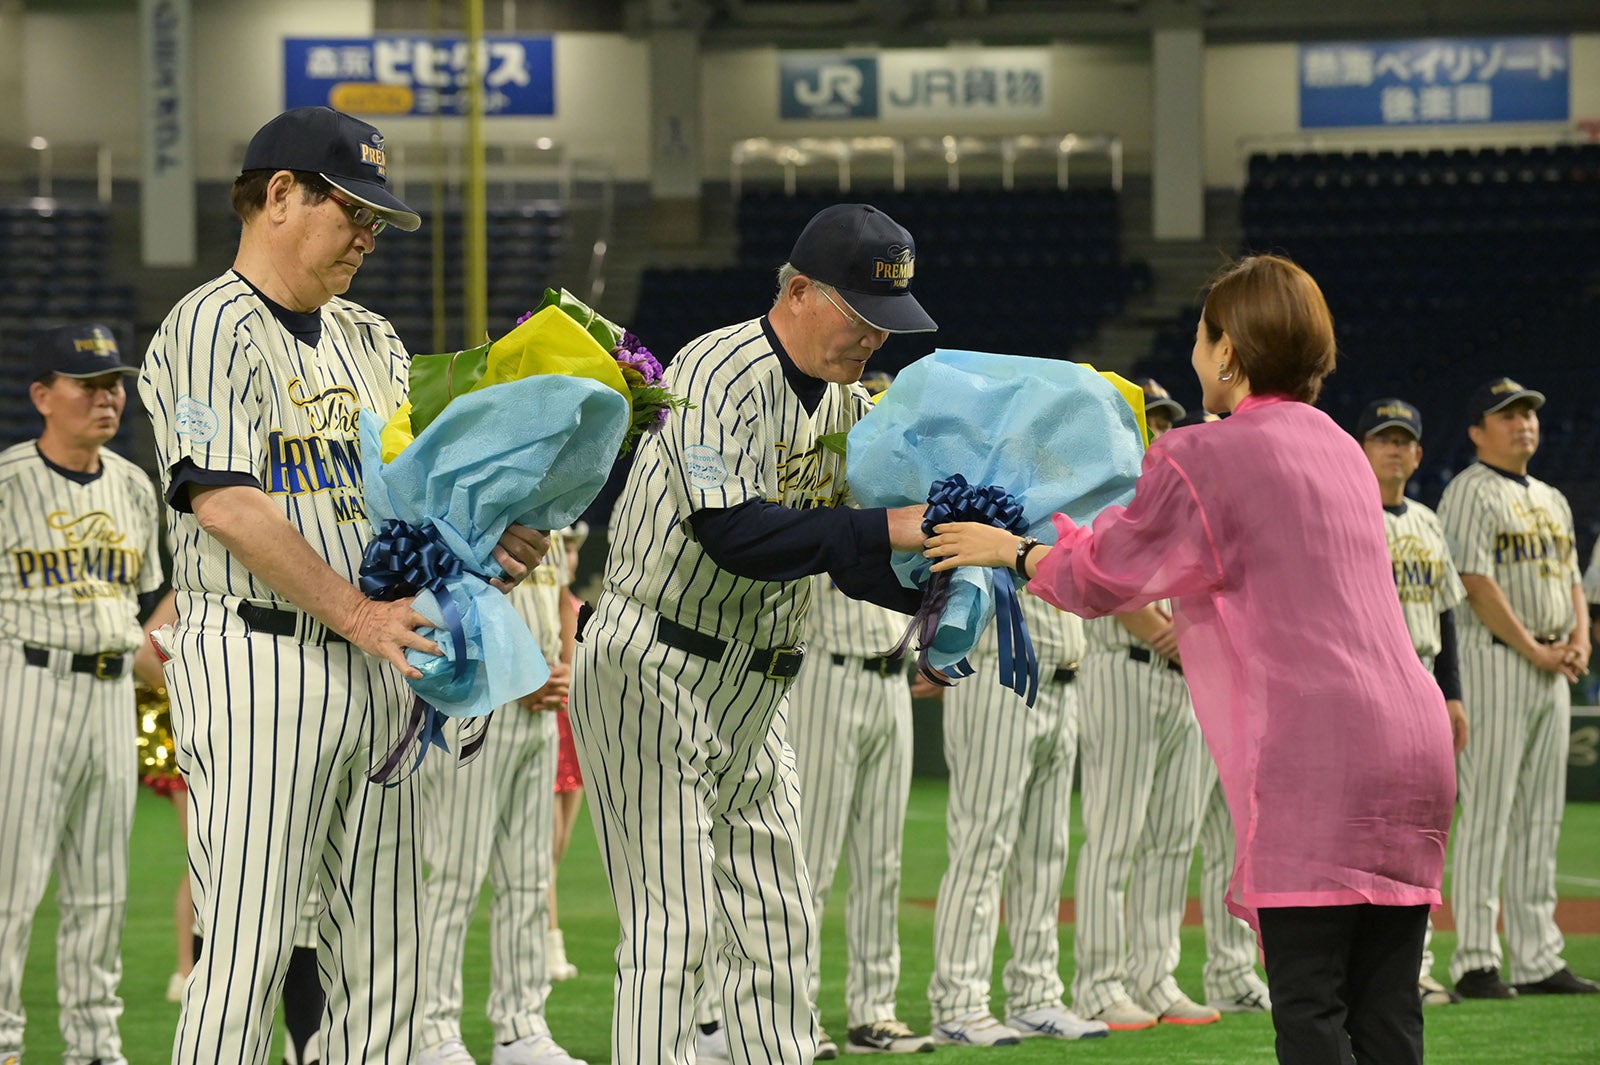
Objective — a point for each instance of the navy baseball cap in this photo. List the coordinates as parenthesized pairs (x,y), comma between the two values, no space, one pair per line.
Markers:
(1499,394)
(869,259)
(1389,413)
(1158,398)
(346,151)
(77,351)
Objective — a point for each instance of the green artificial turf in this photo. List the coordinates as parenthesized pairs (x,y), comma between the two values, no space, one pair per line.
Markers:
(1550,1030)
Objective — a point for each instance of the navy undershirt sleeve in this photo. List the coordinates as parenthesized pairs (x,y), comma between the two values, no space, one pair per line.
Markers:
(768,542)
(186,475)
(1446,664)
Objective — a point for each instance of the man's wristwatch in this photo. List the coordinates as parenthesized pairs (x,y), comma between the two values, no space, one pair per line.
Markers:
(1020,563)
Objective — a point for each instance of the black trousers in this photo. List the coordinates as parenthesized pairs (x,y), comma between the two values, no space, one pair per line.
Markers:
(1344,983)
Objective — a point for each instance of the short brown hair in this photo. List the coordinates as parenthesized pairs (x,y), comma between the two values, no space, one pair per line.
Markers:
(1279,323)
(250,190)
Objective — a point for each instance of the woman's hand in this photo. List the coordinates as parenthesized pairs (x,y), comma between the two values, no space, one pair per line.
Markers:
(969,543)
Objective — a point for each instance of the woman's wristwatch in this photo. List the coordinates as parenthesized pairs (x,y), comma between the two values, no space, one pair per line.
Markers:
(1020,564)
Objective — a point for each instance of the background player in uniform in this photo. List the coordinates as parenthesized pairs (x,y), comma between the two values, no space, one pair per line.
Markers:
(286,682)
(1390,431)
(850,727)
(1010,793)
(79,530)
(494,818)
(683,669)
(1525,638)
(1143,764)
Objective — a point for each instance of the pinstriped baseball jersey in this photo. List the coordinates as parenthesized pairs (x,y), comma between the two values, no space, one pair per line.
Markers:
(737,385)
(1107,634)
(841,625)
(542,608)
(1519,532)
(1057,635)
(1424,575)
(77,555)
(1591,576)
(230,389)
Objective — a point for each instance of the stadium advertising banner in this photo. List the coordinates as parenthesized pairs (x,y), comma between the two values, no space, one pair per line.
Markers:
(418,75)
(1434,82)
(915,83)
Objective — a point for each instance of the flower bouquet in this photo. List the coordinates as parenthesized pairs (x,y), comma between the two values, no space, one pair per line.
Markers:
(1069,439)
(523,430)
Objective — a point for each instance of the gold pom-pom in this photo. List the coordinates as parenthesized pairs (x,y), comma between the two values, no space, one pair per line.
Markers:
(158,763)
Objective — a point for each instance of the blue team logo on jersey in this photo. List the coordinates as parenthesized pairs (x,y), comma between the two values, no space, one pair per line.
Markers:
(195,420)
(704,467)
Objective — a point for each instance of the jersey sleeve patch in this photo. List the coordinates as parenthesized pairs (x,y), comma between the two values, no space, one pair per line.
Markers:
(195,420)
(704,467)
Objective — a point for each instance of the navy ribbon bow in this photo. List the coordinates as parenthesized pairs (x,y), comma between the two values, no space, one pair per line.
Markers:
(404,560)
(953,499)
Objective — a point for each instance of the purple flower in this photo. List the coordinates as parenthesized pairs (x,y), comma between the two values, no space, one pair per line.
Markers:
(525,317)
(630,351)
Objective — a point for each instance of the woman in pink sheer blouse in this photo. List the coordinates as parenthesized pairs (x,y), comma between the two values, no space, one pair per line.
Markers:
(1332,740)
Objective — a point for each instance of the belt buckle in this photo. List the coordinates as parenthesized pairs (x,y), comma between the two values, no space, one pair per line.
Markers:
(778,665)
(102,667)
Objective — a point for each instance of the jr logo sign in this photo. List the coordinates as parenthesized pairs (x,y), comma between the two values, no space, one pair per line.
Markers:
(827,85)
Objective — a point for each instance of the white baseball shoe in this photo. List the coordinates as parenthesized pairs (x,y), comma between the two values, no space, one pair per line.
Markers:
(533,1050)
(1056,1022)
(975,1030)
(1253,999)
(712,1047)
(1124,1016)
(449,1052)
(827,1049)
(1187,1011)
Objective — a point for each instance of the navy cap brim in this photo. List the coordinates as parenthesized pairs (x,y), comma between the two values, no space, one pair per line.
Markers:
(86,374)
(1527,393)
(1391,423)
(370,194)
(899,313)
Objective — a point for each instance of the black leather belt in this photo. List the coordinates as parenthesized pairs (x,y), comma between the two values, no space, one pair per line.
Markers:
(1139,654)
(775,663)
(1065,674)
(884,665)
(1546,640)
(279,622)
(106,666)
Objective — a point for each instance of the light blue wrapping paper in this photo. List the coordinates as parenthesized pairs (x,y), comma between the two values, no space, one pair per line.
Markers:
(535,452)
(1057,435)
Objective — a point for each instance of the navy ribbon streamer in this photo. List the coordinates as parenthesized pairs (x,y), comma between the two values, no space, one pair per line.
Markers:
(404,560)
(952,499)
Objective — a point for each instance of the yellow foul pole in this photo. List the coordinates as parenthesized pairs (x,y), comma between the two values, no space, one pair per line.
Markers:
(475,222)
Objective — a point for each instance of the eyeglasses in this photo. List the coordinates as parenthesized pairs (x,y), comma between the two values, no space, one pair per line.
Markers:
(363,217)
(854,319)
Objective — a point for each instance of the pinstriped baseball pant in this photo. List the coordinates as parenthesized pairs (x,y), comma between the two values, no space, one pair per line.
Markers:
(1511,782)
(1231,948)
(1142,760)
(275,740)
(490,818)
(68,759)
(1010,797)
(692,790)
(851,734)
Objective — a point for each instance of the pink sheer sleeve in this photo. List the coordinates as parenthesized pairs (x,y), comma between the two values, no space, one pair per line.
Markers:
(1159,546)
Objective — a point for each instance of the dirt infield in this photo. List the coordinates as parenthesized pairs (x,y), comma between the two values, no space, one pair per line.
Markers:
(1575,916)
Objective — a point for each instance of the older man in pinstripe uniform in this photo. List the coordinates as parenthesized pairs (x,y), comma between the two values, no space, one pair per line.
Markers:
(681,679)
(79,528)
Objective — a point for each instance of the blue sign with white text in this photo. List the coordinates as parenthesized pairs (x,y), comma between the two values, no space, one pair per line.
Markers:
(418,75)
(827,85)
(1435,82)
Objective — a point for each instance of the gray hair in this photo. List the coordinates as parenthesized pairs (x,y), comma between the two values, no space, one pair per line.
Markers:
(786,273)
